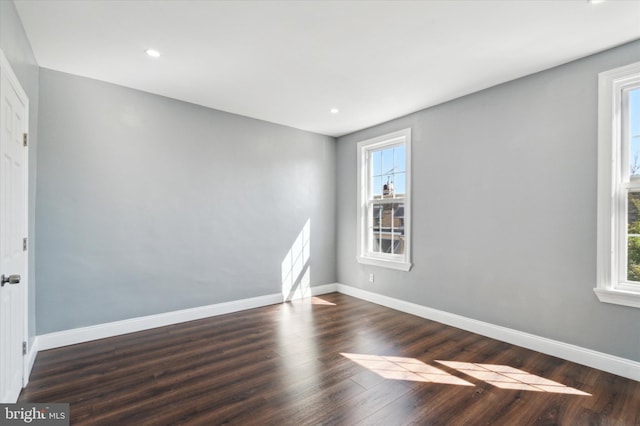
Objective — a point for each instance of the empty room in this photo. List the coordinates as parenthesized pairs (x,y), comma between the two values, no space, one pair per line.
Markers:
(320,212)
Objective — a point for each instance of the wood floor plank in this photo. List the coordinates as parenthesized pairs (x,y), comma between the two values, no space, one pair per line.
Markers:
(341,361)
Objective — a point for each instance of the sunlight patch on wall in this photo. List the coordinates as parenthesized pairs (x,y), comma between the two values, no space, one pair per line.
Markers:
(505,377)
(401,368)
(296,271)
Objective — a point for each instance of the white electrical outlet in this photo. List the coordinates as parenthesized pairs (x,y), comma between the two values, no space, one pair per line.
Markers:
(370,278)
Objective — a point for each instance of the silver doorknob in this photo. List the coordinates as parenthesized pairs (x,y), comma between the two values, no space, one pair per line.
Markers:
(11,279)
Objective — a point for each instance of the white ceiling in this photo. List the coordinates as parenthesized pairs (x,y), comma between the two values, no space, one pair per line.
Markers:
(290,62)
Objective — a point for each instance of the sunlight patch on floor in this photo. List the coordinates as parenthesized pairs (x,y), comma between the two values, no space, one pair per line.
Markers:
(401,368)
(505,377)
(500,376)
(319,301)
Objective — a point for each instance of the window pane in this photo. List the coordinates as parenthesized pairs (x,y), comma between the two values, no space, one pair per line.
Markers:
(633,259)
(400,153)
(400,183)
(375,227)
(388,188)
(398,216)
(376,160)
(377,216)
(633,236)
(387,161)
(634,132)
(377,186)
(633,213)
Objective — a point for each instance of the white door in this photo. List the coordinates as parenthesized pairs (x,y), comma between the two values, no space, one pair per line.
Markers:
(13,231)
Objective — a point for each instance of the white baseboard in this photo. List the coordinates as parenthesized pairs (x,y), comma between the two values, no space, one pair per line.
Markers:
(609,363)
(324,289)
(612,364)
(31,359)
(116,328)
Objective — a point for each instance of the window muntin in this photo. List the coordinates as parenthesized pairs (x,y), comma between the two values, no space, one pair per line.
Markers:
(619,186)
(384,182)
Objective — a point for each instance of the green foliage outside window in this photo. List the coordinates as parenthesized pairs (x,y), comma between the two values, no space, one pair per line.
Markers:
(633,242)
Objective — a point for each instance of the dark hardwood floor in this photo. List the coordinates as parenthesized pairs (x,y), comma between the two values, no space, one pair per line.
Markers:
(330,360)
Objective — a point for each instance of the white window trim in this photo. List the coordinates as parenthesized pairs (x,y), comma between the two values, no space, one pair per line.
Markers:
(611,288)
(399,262)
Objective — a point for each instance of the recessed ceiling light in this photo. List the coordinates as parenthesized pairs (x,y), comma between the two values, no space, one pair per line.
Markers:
(596,1)
(153,53)
(334,110)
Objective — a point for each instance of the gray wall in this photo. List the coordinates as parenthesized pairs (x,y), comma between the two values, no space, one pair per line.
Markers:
(504,209)
(17,49)
(148,204)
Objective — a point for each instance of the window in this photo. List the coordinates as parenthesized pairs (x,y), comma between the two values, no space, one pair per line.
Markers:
(384,200)
(619,186)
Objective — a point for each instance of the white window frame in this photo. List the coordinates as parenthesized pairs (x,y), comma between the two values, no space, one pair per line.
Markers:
(394,261)
(613,184)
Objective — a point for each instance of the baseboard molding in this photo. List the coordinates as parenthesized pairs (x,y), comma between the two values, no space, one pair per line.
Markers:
(609,363)
(324,289)
(31,359)
(117,328)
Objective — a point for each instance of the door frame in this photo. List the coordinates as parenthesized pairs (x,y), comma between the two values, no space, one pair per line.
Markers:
(5,68)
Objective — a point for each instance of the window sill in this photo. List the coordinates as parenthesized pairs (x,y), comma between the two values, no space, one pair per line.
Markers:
(618,297)
(384,263)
